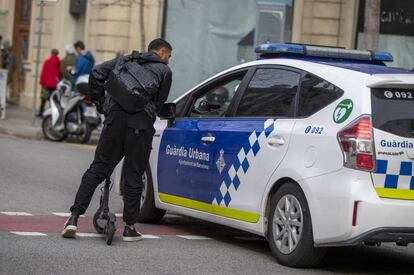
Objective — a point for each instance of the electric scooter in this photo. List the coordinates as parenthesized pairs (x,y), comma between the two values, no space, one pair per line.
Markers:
(103,220)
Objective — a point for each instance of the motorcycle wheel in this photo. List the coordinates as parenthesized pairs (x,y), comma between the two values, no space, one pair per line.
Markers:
(86,135)
(49,132)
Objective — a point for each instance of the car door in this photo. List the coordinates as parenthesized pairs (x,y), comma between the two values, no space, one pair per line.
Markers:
(185,160)
(252,142)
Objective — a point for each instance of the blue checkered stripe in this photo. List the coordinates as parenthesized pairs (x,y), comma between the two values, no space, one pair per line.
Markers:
(240,167)
(394,174)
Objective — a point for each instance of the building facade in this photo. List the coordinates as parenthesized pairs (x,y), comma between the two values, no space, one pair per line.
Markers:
(222,33)
(207,35)
(106,27)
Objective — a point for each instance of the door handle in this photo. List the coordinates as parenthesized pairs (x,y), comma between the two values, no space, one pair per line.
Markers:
(208,139)
(276,141)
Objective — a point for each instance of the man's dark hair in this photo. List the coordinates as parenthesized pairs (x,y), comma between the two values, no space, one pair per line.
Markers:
(159,43)
(79,44)
(54,52)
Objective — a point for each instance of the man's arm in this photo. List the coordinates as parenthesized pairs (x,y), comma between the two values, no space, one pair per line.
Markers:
(164,90)
(98,77)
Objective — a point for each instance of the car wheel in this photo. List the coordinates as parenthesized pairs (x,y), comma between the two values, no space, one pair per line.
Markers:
(148,213)
(290,229)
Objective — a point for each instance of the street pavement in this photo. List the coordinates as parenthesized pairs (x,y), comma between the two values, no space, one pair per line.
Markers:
(38,181)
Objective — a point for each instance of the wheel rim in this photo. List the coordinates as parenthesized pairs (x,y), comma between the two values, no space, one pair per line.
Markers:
(144,188)
(287,224)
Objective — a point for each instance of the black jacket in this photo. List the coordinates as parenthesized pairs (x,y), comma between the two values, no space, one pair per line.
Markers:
(160,72)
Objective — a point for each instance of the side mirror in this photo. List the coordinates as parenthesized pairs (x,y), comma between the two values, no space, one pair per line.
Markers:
(168,112)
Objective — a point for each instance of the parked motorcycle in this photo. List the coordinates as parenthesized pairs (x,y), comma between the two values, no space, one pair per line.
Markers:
(70,113)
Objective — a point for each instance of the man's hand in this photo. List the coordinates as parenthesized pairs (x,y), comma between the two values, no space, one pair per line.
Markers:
(99,105)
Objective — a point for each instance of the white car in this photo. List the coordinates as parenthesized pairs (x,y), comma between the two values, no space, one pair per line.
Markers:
(310,147)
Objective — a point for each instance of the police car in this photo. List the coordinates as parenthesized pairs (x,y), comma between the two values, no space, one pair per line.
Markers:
(310,147)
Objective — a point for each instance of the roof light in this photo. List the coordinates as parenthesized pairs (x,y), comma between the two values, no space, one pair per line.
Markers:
(383,56)
(323,52)
(280,48)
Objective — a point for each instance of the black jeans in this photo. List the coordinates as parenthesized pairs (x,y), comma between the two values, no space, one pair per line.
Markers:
(44,99)
(123,135)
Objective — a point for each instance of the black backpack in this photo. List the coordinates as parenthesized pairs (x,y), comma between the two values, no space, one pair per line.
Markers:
(131,85)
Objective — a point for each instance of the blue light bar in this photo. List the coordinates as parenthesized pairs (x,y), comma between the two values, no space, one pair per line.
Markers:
(383,56)
(323,52)
(270,48)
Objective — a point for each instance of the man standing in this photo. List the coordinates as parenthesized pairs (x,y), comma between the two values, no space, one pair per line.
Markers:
(84,61)
(1,51)
(68,62)
(9,60)
(125,134)
(49,78)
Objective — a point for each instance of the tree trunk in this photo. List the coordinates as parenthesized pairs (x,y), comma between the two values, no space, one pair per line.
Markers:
(372,24)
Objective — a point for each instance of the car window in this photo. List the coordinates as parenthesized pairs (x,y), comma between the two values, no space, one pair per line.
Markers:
(393,112)
(271,92)
(315,94)
(216,98)
(180,105)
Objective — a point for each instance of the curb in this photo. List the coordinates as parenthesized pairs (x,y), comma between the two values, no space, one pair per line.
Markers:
(22,133)
(38,134)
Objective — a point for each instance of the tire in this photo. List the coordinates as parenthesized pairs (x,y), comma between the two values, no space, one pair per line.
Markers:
(48,131)
(110,231)
(297,221)
(97,224)
(148,213)
(86,136)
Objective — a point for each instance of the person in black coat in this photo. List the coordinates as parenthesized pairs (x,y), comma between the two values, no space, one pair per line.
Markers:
(126,135)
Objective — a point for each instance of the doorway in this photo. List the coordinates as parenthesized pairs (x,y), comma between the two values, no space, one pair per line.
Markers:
(20,44)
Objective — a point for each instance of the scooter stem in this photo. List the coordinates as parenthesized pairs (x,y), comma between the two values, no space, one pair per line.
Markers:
(105,200)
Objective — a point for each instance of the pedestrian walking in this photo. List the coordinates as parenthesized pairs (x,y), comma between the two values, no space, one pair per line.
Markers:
(49,78)
(1,51)
(9,60)
(84,61)
(125,133)
(67,64)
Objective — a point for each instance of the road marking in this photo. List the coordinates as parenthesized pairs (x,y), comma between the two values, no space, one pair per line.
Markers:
(16,213)
(89,235)
(28,233)
(61,214)
(119,215)
(193,237)
(150,237)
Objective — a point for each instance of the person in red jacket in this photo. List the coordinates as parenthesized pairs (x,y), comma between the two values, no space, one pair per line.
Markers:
(49,78)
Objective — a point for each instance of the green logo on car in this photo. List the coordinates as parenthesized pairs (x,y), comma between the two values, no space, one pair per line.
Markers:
(343,110)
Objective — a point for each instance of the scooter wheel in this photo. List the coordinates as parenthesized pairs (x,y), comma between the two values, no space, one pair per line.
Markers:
(99,223)
(110,231)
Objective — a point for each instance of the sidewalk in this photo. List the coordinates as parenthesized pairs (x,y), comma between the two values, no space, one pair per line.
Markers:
(18,123)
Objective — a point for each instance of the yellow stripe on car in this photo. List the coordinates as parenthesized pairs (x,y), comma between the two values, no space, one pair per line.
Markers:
(392,193)
(209,208)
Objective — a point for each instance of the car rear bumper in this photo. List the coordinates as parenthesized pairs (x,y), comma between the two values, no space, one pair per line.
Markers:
(331,200)
(400,236)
